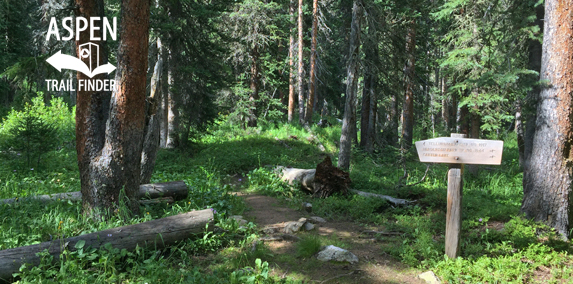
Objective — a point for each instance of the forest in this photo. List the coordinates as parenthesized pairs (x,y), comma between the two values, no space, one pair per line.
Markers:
(273,141)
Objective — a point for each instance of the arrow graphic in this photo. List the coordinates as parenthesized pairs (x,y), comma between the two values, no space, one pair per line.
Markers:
(63,61)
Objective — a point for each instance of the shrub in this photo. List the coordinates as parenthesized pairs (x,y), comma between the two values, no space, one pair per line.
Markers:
(27,135)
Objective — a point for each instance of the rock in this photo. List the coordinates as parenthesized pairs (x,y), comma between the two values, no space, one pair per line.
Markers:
(239,219)
(316,220)
(269,230)
(337,254)
(307,207)
(429,277)
(308,226)
(293,227)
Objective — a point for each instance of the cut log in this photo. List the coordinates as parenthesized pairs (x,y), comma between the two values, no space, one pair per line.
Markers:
(156,233)
(308,182)
(176,189)
(302,176)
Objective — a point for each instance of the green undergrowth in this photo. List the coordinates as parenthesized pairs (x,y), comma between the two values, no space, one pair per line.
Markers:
(497,244)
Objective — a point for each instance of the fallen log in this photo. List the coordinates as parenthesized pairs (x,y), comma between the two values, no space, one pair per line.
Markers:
(307,180)
(176,189)
(302,176)
(393,200)
(156,233)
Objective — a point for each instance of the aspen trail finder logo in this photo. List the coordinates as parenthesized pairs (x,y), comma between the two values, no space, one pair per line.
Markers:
(89,52)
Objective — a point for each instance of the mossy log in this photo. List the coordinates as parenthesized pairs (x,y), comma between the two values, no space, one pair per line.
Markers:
(156,233)
(175,189)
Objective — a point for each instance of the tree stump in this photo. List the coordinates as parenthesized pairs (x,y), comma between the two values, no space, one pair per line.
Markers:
(329,179)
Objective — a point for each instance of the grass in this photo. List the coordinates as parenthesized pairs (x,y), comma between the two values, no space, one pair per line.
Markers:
(308,246)
(498,245)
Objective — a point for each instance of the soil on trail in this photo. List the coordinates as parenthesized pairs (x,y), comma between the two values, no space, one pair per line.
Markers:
(374,266)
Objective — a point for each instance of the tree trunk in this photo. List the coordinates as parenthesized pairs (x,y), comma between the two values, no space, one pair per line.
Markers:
(312,89)
(463,120)
(300,65)
(152,121)
(476,124)
(369,102)
(291,66)
(155,234)
(519,131)
(446,112)
(164,102)
(371,138)
(535,53)
(408,111)
(172,103)
(365,108)
(391,130)
(368,113)
(547,191)
(254,96)
(351,86)
(474,133)
(109,148)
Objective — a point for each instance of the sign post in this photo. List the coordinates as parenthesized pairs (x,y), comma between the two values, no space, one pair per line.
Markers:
(457,151)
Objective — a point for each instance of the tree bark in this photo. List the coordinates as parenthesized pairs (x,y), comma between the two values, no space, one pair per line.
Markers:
(535,54)
(312,89)
(255,78)
(368,113)
(463,120)
(351,86)
(300,65)
(152,121)
(365,109)
(446,112)
(391,129)
(156,234)
(110,163)
(92,108)
(519,131)
(408,111)
(164,102)
(173,118)
(547,191)
(291,66)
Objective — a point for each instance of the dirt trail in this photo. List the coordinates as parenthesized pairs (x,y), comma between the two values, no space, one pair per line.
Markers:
(374,266)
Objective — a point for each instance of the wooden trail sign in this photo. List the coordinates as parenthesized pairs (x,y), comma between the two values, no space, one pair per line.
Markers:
(454,150)
(457,151)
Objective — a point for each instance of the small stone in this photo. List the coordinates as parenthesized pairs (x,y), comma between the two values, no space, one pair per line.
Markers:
(270,230)
(302,220)
(239,219)
(316,220)
(429,277)
(337,254)
(236,217)
(307,207)
(293,227)
(308,226)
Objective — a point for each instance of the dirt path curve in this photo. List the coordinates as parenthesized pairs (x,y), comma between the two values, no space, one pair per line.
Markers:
(374,266)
